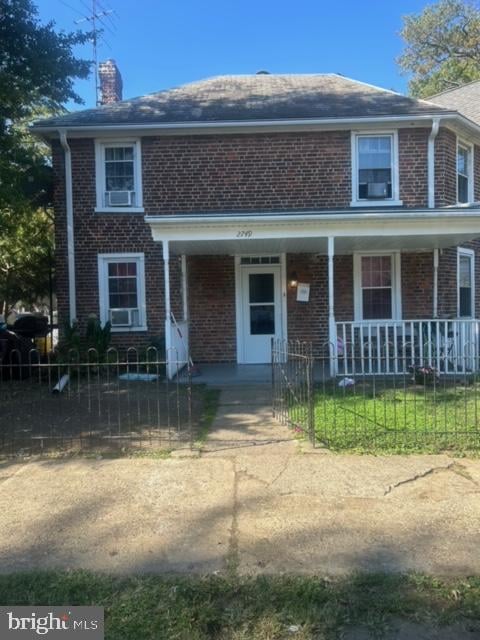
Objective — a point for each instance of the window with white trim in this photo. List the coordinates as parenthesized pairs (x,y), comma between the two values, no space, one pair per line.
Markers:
(122,291)
(375,168)
(465,283)
(377,286)
(119,185)
(464,173)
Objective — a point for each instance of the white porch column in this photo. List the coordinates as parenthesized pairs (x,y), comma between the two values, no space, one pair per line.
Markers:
(184,287)
(332,327)
(435,283)
(168,309)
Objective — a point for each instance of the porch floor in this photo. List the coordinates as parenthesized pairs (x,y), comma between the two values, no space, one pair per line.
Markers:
(227,374)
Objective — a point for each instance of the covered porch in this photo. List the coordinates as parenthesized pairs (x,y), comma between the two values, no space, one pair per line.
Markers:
(322,250)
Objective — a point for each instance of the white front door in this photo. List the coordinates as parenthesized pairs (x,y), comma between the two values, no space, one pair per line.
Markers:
(261,312)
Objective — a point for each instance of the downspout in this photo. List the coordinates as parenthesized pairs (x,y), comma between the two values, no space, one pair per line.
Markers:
(72,296)
(431,162)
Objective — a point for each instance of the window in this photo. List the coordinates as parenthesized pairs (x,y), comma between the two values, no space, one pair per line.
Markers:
(122,291)
(260,260)
(118,170)
(376,286)
(375,169)
(465,283)
(464,174)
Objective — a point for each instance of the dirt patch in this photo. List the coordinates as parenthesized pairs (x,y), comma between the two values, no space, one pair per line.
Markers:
(97,412)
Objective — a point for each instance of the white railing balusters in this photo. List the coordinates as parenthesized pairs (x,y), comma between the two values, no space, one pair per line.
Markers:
(392,347)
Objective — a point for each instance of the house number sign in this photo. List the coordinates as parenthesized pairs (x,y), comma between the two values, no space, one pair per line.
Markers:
(247,233)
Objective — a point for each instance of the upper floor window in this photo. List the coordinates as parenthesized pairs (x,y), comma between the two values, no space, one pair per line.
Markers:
(375,169)
(464,173)
(119,180)
(122,290)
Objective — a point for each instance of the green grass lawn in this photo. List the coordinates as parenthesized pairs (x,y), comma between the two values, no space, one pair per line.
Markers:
(390,415)
(262,608)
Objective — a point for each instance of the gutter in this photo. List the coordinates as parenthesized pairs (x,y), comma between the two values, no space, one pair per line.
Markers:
(246,124)
(72,296)
(431,162)
(344,216)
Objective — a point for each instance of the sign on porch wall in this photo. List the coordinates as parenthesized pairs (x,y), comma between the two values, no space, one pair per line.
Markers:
(303,292)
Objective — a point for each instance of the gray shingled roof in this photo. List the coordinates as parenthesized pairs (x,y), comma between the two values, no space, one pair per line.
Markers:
(465,100)
(253,97)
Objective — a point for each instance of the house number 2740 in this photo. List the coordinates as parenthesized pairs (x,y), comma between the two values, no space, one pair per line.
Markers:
(245,234)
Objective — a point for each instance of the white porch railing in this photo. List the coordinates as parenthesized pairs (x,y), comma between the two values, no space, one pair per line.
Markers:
(177,351)
(393,347)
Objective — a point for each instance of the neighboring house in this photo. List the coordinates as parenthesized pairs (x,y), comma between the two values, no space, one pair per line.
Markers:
(218,198)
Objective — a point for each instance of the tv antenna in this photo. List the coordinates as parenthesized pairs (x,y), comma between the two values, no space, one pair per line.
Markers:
(100,19)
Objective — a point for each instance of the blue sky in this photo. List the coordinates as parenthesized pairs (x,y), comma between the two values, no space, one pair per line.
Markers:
(163,43)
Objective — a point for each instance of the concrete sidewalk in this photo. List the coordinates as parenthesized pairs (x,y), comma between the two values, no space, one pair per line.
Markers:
(254,509)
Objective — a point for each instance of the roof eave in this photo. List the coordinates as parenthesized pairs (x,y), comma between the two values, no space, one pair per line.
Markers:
(247,124)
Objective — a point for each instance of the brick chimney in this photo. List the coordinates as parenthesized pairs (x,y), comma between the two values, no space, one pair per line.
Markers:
(111,84)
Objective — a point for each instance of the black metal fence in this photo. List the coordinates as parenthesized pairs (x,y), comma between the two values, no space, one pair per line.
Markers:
(293,385)
(110,401)
(422,408)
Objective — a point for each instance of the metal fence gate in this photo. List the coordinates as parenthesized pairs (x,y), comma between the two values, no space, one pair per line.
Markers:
(292,385)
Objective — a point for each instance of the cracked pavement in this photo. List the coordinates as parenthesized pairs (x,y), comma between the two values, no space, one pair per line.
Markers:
(252,502)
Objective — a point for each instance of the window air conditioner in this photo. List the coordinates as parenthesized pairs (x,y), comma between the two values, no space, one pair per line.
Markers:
(377,189)
(123,317)
(119,198)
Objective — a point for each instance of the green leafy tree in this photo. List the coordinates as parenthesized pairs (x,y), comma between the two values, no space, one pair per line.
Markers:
(442,47)
(38,70)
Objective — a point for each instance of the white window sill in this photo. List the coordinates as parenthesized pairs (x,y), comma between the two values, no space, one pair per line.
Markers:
(119,210)
(128,329)
(376,203)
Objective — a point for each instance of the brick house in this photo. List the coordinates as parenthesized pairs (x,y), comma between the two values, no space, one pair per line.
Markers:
(312,207)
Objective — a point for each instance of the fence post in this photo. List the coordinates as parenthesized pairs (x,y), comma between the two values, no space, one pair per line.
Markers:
(310,395)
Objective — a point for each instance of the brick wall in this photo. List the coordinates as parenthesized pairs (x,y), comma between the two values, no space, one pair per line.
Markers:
(211,294)
(445,168)
(260,172)
(413,166)
(308,321)
(417,285)
(246,173)
(108,233)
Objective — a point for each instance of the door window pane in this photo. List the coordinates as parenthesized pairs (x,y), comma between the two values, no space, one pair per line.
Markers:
(261,287)
(262,320)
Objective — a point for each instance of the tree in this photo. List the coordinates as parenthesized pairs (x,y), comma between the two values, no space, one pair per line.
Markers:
(37,73)
(442,47)
(26,252)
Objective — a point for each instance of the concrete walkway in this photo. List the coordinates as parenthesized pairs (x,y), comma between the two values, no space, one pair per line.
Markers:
(252,501)
(244,419)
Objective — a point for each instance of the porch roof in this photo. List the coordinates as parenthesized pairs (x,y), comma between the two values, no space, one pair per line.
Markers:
(308,232)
